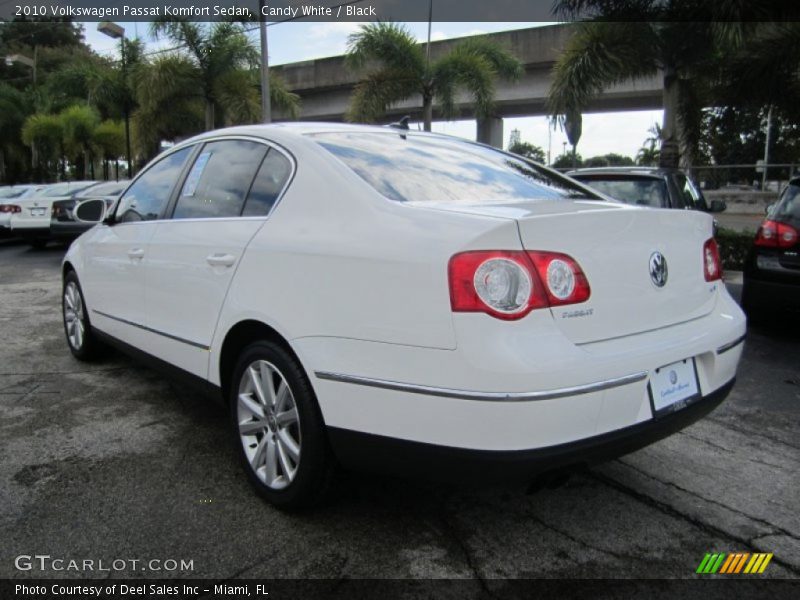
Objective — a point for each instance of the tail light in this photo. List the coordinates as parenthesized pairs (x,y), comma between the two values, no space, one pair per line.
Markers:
(773,234)
(712,265)
(510,284)
(10,208)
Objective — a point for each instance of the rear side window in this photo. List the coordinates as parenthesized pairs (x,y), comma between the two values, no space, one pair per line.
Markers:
(270,180)
(415,168)
(219,180)
(146,199)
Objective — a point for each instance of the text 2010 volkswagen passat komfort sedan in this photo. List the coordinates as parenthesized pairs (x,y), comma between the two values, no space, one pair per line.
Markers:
(381,298)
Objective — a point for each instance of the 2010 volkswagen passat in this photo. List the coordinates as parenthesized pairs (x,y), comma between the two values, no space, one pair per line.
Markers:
(381,298)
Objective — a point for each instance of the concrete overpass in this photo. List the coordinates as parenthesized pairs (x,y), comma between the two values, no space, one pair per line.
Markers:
(325,84)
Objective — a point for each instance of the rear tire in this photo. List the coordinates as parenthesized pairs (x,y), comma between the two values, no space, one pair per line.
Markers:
(83,344)
(278,428)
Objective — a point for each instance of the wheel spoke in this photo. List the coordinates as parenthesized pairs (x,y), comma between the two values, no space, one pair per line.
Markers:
(260,454)
(286,467)
(281,395)
(255,382)
(271,461)
(252,427)
(287,417)
(254,408)
(267,382)
(288,444)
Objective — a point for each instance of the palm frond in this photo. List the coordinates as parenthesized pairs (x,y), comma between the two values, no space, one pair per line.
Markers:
(378,91)
(503,63)
(165,80)
(281,98)
(389,44)
(599,55)
(467,70)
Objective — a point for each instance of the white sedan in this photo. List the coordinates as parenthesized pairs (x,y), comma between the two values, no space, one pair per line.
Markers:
(387,299)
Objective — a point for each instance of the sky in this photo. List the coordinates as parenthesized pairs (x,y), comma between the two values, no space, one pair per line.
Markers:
(621,132)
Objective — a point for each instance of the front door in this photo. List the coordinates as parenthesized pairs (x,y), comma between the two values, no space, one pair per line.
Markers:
(115,255)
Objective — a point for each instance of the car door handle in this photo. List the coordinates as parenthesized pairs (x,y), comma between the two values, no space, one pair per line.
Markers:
(221,260)
(136,253)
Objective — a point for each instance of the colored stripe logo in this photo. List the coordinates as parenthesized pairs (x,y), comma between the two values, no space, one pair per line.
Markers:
(734,563)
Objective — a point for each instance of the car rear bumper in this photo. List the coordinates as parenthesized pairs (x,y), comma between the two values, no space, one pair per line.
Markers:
(68,230)
(30,233)
(522,389)
(758,293)
(383,454)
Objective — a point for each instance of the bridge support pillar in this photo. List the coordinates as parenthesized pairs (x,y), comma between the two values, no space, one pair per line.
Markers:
(490,131)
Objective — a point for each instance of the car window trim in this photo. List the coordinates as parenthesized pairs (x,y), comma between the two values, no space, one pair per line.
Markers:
(246,138)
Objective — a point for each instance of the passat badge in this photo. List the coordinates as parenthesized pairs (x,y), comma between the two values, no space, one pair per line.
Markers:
(658,269)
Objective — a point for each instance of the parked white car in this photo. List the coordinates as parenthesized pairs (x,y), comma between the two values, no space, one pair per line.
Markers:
(32,220)
(9,195)
(395,300)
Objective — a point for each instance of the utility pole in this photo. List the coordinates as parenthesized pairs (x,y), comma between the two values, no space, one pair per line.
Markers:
(266,108)
(428,45)
(766,151)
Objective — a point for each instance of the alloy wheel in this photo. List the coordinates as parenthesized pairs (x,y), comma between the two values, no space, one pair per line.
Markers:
(269,425)
(74,315)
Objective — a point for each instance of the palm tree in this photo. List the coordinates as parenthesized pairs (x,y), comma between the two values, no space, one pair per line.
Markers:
(601,54)
(650,153)
(217,66)
(43,133)
(109,140)
(78,124)
(403,71)
(683,41)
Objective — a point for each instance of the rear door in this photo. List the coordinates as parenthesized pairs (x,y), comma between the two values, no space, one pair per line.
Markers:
(113,280)
(192,257)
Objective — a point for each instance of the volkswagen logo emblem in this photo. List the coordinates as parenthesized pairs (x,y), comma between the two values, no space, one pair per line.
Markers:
(658,269)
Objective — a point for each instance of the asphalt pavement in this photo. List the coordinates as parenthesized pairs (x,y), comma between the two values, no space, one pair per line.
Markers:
(110,461)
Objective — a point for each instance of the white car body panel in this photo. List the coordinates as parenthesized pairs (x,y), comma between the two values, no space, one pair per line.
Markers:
(199,257)
(357,286)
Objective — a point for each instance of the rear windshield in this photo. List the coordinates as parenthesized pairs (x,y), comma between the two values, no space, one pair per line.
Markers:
(6,193)
(66,189)
(642,191)
(416,168)
(788,209)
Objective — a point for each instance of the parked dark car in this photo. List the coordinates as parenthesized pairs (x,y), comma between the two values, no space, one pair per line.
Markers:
(772,269)
(645,186)
(63,225)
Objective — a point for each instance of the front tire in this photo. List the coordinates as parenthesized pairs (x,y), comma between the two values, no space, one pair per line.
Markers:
(278,428)
(83,344)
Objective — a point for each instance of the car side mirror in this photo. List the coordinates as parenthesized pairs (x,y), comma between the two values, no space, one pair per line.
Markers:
(717,206)
(90,211)
(769,208)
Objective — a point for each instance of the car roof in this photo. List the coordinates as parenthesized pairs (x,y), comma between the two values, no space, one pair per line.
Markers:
(285,132)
